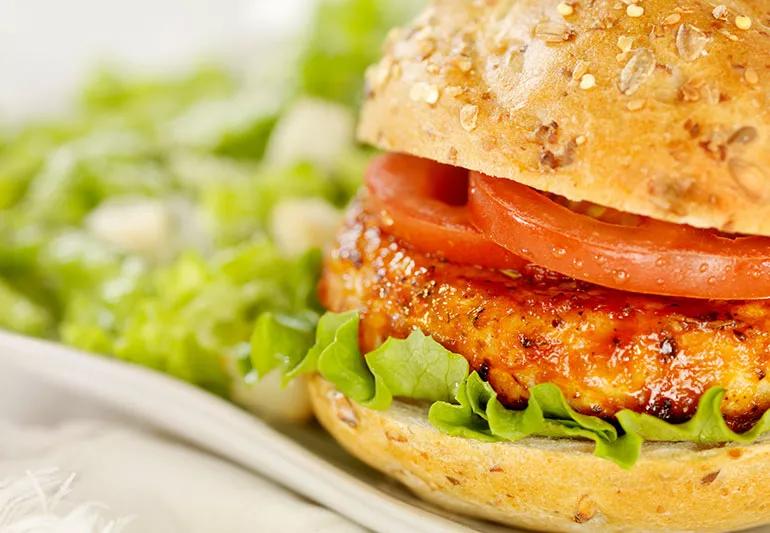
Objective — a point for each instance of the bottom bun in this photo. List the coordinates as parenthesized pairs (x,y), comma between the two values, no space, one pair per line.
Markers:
(555,484)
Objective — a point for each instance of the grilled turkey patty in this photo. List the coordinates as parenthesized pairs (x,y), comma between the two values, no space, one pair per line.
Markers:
(606,350)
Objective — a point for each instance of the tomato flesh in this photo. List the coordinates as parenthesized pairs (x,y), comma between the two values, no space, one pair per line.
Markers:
(470,218)
(424,203)
(650,256)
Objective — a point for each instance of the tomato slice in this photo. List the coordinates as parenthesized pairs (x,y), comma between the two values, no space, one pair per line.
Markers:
(424,203)
(648,256)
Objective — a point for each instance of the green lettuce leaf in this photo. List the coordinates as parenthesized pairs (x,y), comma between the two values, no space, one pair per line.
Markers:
(464,405)
(477,413)
(417,367)
(706,427)
(279,341)
(331,329)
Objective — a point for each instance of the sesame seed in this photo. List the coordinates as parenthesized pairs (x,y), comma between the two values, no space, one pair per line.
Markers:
(634,10)
(424,92)
(673,18)
(720,12)
(565,9)
(743,22)
(635,105)
(625,42)
(751,76)
(378,75)
(469,117)
(587,81)
(581,68)
(580,140)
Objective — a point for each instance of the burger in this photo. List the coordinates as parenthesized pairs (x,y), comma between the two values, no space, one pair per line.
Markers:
(549,305)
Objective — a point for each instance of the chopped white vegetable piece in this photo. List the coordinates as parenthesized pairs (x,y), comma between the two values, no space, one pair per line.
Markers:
(269,399)
(139,225)
(299,224)
(312,130)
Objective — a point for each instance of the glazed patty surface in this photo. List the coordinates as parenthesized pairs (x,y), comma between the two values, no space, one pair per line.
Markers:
(606,350)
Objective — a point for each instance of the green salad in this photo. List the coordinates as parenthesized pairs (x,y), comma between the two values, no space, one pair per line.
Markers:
(159,219)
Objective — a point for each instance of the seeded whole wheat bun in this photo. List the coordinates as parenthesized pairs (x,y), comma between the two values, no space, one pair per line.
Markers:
(555,484)
(660,108)
(654,107)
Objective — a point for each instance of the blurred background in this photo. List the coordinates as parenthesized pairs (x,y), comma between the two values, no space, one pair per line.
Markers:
(169,171)
(49,48)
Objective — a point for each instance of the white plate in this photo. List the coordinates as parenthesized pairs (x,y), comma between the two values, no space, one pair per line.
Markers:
(302,458)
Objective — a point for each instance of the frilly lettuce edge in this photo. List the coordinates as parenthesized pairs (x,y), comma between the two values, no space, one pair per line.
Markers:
(462,404)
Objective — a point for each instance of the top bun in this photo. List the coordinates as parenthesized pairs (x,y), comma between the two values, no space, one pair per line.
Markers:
(658,107)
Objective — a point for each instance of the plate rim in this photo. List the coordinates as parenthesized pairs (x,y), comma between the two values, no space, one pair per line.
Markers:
(220,427)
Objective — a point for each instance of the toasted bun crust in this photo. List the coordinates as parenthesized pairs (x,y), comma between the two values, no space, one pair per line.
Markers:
(555,485)
(660,109)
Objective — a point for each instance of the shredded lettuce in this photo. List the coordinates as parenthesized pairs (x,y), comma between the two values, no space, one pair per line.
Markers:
(192,317)
(464,405)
